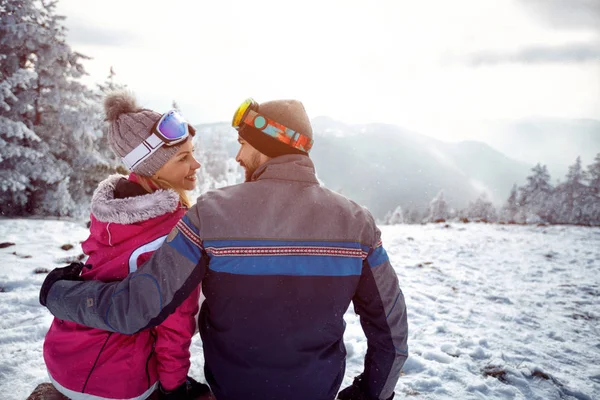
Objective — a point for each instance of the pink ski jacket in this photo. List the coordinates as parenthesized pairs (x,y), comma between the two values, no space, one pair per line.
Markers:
(127,226)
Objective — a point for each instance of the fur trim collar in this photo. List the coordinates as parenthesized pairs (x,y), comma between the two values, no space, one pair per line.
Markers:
(132,209)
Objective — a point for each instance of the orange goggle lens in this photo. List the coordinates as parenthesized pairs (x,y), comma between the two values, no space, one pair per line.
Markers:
(238,117)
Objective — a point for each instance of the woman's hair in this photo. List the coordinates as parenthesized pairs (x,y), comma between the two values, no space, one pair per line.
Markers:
(148,183)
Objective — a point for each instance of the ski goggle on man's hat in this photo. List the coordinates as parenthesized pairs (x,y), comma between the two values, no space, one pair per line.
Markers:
(169,130)
(249,122)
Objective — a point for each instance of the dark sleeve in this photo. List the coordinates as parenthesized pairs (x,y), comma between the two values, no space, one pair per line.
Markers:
(380,304)
(145,298)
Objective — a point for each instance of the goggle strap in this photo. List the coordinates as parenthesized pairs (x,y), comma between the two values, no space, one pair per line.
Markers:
(142,151)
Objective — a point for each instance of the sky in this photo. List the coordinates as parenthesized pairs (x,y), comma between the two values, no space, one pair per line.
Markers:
(440,68)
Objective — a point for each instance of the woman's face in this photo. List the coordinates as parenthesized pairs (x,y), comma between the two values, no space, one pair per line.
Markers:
(180,170)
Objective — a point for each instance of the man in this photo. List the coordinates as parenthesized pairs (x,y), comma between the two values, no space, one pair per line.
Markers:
(280,259)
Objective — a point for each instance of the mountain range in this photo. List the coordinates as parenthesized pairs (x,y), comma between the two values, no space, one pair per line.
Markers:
(382,166)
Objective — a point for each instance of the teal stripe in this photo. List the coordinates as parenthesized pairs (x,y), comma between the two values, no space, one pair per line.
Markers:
(288,265)
(377,257)
(190,225)
(186,247)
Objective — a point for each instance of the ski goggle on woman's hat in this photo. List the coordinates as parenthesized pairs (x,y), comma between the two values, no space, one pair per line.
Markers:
(247,114)
(170,130)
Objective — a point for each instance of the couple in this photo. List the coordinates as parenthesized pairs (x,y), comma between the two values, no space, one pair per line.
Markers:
(280,258)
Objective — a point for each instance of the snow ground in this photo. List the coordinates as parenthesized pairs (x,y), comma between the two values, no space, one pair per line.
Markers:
(495,312)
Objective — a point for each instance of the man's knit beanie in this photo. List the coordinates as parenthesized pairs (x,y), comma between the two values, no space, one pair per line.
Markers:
(130,125)
(290,113)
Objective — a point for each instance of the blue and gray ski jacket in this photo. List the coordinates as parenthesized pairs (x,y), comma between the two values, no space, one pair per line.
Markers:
(280,260)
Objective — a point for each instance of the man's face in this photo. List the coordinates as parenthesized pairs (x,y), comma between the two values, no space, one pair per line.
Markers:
(249,158)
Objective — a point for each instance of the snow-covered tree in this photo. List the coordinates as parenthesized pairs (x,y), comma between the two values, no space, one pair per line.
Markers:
(66,114)
(481,210)
(438,209)
(394,217)
(18,161)
(101,145)
(593,174)
(592,204)
(110,84)
(46,110)
(217,169)
(409,216)
(570,197)
(24,161)
(413,216)
(535,197)
(510,211)
(18,152)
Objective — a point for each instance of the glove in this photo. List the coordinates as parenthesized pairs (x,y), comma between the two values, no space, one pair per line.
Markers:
(69,273)
(188,390)
(358,391)
(197,389)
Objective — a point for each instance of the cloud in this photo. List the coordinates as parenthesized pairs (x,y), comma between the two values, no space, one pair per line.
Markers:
(566,14)
(84,33)
(568,53)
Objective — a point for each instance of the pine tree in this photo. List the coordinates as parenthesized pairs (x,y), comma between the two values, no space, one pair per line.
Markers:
(217,168)
(17,158)
(535,197)
(414,216)
(593,174)
(49,112)
(65,116)
(570,197)
(410,216)
(24,161)
(110,84)
(592,204)
(438,209)
(510,211)
(481,210)
(101,145)
(17,152)
(395,217)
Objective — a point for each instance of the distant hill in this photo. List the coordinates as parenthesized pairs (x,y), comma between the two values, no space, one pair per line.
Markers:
(383,166)
(555,142)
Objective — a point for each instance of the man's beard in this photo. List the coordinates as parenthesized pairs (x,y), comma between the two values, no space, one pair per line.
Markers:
(251,166)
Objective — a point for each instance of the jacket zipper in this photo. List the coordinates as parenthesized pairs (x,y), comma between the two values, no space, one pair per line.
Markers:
(95,362)
(150,356)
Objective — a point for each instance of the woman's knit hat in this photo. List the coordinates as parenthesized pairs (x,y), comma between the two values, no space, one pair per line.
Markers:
(130,125)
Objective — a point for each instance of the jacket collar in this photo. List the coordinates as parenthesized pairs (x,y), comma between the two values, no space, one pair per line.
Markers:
(289,167)
(106,208)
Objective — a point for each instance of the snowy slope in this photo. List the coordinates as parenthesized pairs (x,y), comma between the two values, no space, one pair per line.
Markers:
(522,303)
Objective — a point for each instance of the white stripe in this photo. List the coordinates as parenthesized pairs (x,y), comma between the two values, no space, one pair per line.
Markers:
(86,396)
(152,246)
(109,235)
(142,151)
(154,141)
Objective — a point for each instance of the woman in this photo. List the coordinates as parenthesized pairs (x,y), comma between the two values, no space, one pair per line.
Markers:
(130,218)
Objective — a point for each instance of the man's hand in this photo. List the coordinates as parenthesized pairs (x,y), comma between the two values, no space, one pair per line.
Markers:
(189,390)
(70,273)
(357,391)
